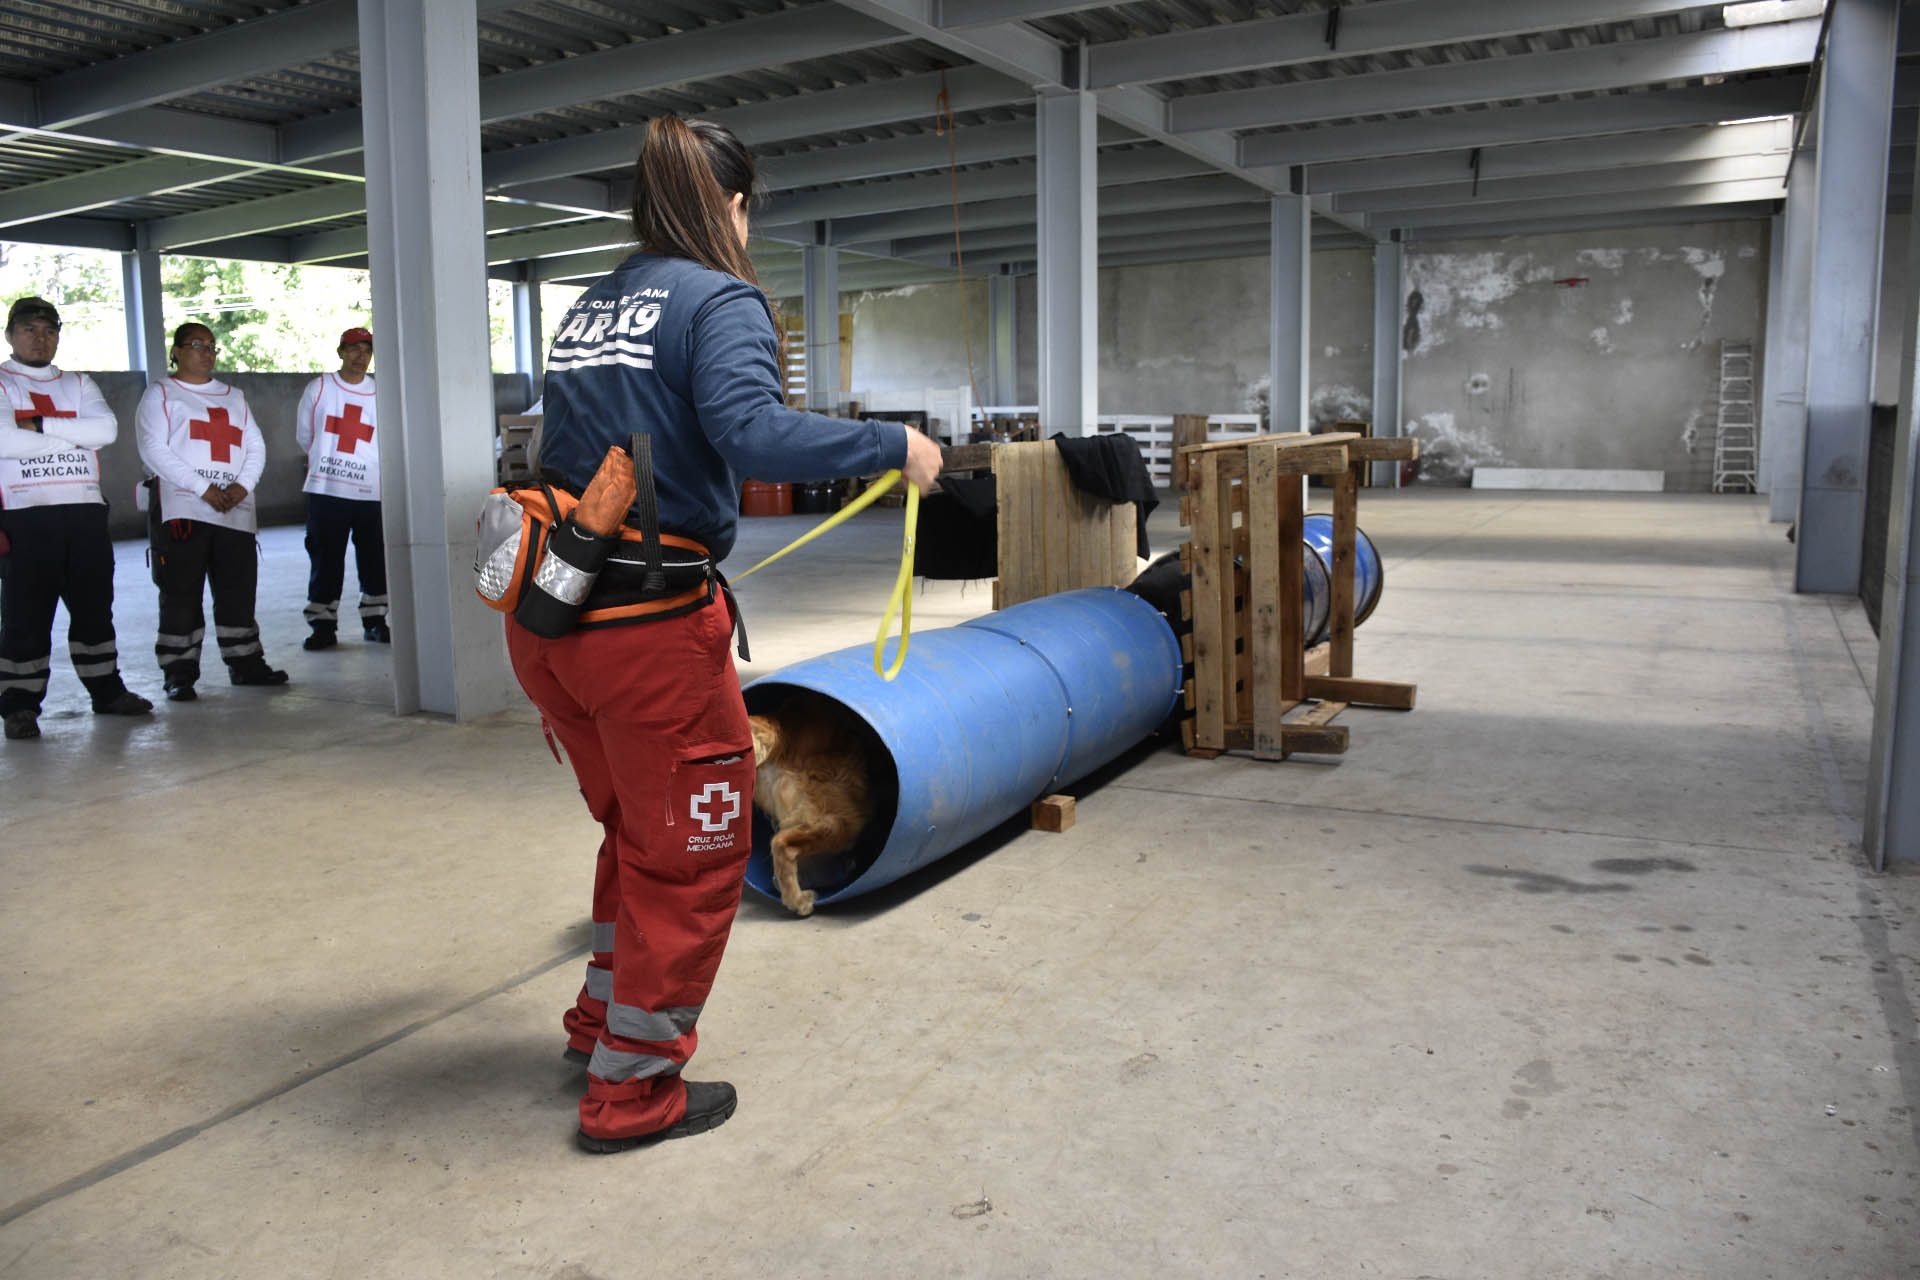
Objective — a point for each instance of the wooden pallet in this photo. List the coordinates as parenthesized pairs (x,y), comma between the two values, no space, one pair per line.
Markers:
(1053,537)
(1255,686)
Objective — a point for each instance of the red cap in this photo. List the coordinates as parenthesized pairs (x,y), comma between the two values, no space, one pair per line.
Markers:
(352,336)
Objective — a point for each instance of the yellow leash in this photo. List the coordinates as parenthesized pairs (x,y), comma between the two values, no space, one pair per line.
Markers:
(901,601)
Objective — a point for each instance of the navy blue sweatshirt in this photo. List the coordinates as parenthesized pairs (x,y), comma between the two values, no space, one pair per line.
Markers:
(689,356)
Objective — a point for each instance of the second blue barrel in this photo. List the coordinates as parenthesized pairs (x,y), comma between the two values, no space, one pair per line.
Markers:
(1368,575)
(985,718)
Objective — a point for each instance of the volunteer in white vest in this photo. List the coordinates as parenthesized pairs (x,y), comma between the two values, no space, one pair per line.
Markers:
(334,425)
(54,544)
(198,438)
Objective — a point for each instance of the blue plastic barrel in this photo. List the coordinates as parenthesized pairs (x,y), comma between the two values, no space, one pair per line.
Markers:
(1368,576)
(984,719)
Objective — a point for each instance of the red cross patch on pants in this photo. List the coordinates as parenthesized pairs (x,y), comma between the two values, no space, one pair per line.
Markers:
(653,723)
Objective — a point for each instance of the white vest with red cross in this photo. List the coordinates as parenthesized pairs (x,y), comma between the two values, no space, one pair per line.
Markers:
(344,459)
(211,429)
(61,475)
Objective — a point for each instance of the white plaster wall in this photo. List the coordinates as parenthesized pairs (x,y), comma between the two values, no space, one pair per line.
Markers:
(1593,350)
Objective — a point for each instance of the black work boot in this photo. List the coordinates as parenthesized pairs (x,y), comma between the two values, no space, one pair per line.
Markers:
(322,638)
(708,1106)
(377,632)
(124,703)
(253,669)
(22,724)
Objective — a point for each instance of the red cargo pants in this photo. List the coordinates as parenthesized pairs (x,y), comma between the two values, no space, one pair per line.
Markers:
(652,720)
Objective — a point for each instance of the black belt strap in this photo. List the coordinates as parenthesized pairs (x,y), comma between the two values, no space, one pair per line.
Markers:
(739,622)
(640,447)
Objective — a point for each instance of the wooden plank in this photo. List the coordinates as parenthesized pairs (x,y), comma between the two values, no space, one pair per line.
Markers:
(965,457)
(1188,429)
(1124,532)
(1346,504)
(1384,449)
(1241,442)
(1285,540)
(1315,739)
(1318,713)
(1365,693)
(1267,611)
(1057,486)
(1212,643)
(1018,522)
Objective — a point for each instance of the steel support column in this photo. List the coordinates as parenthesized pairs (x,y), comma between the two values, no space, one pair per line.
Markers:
(147,343)
(820,303)
(1068,255)
(1291,278)
(1891,828)
(529,345)
(1389,288)
(1850,201)
(1001,364)
(421,95)
(1783,416)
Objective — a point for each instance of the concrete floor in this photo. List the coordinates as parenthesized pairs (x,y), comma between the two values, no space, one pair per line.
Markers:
(1571,972)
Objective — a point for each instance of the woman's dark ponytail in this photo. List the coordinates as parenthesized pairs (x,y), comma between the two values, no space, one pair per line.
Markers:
(683,189)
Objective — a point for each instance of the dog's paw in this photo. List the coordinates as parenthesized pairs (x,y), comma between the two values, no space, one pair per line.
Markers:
(801,904)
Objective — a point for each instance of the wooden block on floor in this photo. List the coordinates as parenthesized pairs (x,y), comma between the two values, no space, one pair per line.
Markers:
(1053,813)
(1390,694)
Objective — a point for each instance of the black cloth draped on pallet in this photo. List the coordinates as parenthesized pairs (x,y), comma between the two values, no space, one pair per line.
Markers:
(1110,467)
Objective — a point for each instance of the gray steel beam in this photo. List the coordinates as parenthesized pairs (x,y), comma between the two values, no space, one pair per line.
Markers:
(1253,217)
(351,242)
(1891,827)
(77,233)
(936,190)
(1459,84)
(529,334)
(1549,225)
(979,144)
(820,319)
(601,233)
(1069,293)
(1389,294)
(430,305)
(1259,236)
(788,35)
(182,67)
(1575,206)
(1290,279)
(1143,197)
(959,14)
(787,282)
(108,185)
(1002,343)
(1783,418)
(1663,146)
(1364,30)
(757,123)
(1850,200)
(1534,122)
(140,295)
(1686,173)
(297,208)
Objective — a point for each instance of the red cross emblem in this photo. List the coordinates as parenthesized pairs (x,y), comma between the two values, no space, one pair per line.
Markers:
(42,408)
(350,429)
(221,436)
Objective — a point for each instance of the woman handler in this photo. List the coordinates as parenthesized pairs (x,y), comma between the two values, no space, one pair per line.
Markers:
(677,343)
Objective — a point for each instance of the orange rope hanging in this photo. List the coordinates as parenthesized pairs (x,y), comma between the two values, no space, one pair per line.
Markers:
(944,124)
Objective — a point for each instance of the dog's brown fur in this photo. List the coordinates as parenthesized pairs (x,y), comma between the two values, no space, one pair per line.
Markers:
(811,779)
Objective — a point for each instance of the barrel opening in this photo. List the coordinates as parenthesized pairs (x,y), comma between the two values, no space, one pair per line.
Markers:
(828,875)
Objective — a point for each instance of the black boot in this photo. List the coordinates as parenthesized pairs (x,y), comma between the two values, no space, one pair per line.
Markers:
(253,669)
(376,631)
(708,1106)
(323,637)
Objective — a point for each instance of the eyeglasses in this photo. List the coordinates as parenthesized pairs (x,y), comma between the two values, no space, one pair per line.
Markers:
(199,346)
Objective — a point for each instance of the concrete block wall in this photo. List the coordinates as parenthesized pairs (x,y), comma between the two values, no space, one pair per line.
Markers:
(273,398)
(1506,365)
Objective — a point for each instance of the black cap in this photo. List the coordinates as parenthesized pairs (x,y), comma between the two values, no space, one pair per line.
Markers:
(32,308)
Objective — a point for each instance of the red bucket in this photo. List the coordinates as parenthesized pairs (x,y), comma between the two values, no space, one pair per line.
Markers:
(757,499)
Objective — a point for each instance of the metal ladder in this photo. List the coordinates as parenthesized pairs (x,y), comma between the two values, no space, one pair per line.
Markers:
(1736,435)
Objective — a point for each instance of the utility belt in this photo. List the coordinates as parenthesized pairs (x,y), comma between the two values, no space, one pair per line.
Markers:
(537,563)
